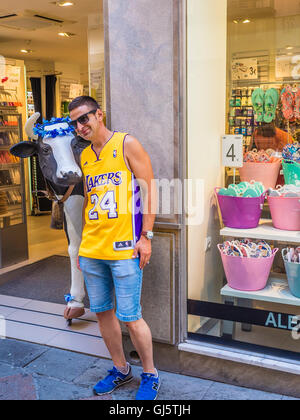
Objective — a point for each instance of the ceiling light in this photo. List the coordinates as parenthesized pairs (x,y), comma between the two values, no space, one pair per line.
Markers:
(289,47)
(24,51)
(64,3)
(66,34)
(236,21)
(246,21)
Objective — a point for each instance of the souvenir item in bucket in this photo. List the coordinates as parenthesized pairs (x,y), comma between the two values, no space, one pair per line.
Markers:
(291,259)
(241,205)
(292,152)
(291,171)
(285,191)
(247,264)
(291,163)
(262,166)
(284,206)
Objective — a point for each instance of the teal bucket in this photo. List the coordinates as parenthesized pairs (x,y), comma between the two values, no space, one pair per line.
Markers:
(291,171)
(293,275)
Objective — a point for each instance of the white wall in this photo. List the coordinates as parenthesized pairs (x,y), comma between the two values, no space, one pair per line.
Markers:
(206,99)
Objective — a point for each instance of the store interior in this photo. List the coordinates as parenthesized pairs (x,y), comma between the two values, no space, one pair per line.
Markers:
(50,52)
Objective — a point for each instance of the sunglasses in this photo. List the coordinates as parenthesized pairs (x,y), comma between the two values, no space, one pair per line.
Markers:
(83,119)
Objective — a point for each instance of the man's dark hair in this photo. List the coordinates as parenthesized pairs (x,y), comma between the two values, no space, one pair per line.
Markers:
(83,100)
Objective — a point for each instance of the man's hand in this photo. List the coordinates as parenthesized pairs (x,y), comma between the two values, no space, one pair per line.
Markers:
(143,247)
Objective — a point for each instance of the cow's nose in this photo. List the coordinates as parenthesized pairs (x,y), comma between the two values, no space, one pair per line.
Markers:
(69,174)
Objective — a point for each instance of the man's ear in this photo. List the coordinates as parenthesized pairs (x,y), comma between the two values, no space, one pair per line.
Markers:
(100,114)
(24,149)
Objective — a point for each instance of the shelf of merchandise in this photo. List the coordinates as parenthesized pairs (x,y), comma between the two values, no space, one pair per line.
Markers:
(277,289)
(265,231)
(13,223)
(6,128)
(5,147)
(5,166)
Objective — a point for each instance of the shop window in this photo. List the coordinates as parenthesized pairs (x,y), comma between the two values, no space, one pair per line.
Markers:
(263,108)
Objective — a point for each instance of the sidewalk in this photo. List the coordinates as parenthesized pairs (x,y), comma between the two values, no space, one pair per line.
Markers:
(37,372)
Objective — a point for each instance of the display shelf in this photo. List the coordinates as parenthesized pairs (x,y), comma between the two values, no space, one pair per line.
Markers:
(265,231)
(5,166)
(5,147)
(9,108)
(9,128)
(276,291)
(9,187)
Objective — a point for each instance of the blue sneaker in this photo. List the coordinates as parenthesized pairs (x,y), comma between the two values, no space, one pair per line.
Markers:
(149,387)
(113,380)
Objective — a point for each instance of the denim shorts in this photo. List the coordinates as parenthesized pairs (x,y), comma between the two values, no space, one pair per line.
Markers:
(109,279)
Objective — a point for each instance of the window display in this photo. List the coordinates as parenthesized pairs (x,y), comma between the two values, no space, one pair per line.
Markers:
(259,205)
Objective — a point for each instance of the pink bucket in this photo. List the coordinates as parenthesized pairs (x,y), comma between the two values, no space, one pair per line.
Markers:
(247,274)
(266,173)
(240,212)
(285,212)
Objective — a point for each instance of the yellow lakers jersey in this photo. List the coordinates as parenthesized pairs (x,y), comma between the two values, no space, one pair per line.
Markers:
(113,215)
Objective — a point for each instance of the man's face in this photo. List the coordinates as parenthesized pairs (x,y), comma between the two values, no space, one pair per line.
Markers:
(89,129)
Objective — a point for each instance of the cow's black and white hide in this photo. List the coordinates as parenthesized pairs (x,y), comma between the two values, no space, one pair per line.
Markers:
(58,150)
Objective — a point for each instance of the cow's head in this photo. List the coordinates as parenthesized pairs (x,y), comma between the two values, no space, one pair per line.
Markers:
(57,147)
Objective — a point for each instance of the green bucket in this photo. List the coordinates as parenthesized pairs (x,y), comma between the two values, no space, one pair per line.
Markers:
(291,171)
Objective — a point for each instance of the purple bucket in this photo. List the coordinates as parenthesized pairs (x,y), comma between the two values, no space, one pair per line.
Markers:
(240,212)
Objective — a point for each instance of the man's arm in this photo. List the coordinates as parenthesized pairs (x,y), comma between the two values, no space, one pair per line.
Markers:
(139,162)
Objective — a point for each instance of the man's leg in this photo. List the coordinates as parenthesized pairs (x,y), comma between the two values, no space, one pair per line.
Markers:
(141,338)
(112,335)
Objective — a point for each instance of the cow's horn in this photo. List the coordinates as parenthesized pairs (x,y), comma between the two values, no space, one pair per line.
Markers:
(30,124)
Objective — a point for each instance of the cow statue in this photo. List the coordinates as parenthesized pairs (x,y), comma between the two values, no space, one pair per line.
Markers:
(58,149)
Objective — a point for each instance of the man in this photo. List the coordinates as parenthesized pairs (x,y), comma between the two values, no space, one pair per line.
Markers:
(116,240)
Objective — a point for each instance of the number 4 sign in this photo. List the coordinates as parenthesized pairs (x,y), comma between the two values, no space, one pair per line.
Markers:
(232,151)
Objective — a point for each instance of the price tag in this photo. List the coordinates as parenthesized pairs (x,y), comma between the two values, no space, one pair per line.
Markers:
(244,69)
(232,151)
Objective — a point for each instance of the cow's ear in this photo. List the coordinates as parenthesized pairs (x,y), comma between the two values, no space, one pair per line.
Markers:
(24,149)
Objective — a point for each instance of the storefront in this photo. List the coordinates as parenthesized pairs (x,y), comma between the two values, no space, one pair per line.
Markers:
(179,76)
(243,311)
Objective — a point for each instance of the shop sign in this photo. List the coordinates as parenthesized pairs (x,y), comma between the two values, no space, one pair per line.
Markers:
(75,90)
(232,151)
(12,77)
(288,67)
(277,320)
(244,69)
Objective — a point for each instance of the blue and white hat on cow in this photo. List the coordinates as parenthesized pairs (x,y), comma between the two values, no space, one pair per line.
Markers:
(39,129)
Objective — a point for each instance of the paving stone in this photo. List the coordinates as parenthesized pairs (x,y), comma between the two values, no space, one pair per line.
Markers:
(127,392)
(220,391)
(55,390)
(181,387)
(103,397)
(285,398)
(19,353)
(17,387)
(8,370)
(94,373)
(61,364)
